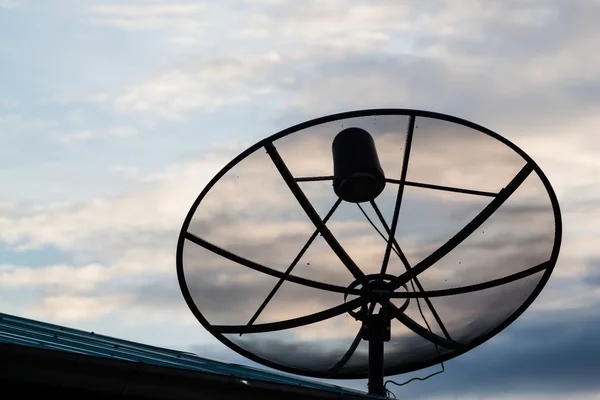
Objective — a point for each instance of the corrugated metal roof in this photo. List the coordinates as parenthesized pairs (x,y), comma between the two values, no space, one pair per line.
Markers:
(27,332)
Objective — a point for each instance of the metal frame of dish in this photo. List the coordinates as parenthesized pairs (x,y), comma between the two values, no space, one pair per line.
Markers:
(395,282)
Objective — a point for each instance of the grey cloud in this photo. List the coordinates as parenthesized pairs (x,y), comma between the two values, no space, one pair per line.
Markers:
(313,355)
(477,86)
(541,354)
(593,276)
(155,293)
(511,34)
(242,290)
(419,82)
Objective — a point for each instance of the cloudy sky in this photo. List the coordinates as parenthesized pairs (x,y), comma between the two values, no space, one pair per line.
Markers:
(115,115)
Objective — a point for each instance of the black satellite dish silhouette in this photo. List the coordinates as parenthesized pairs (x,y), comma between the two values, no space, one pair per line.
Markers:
(436,235)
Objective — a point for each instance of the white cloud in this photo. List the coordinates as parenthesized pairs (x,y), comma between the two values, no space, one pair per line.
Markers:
(66,98)
(69,277)
(337,23)
(127,171)
(381,54)
(86,135)
(185,40)
(10,3)
(173,16)
(18,124)
(266,2)
(206,87)
(148,9)
(69,308)
(77,136)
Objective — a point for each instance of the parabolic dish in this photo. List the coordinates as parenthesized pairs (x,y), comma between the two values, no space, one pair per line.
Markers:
(279,269)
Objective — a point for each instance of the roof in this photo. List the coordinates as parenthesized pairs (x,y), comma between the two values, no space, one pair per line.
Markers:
(31,334)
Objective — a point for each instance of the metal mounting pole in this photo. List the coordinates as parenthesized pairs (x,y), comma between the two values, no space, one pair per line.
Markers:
(377,331)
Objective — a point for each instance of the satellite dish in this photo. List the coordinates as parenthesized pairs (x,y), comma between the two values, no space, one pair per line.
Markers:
(369,243)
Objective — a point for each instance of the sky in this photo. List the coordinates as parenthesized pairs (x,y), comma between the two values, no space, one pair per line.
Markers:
(115,115)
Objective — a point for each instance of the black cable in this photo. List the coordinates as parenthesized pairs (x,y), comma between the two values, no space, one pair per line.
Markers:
(375,227)
(436,349)
(417,378)
(420,312)
(396,252)
(389,394)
